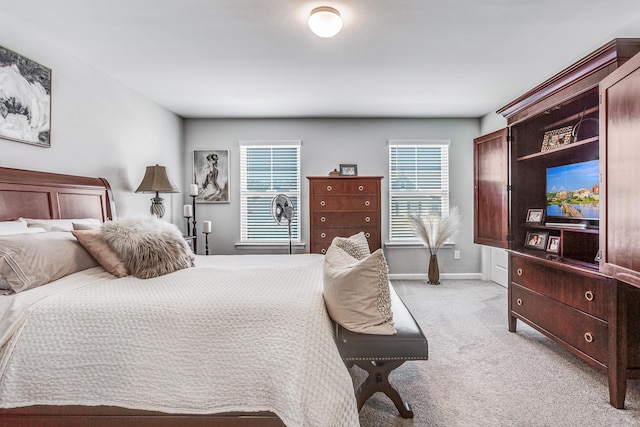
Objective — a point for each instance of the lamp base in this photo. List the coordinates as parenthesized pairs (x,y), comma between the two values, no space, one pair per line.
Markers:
(157,207)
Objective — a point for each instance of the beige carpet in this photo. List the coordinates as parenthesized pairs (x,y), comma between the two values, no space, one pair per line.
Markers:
(480,374)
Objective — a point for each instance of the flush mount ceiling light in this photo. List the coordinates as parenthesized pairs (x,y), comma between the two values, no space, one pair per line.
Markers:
(325,21)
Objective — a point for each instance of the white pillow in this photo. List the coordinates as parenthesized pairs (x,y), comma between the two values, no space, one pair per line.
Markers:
(59,224)
(356,292)
(17,227)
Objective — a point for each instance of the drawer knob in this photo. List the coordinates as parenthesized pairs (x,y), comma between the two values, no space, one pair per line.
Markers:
(519,271)
(367,235)
(361,188)
(323,219)
(588,337)
(323,251)
(323,235)
(367,219)
(519,301)
(329,188)
(367,203)
(322,203)
(588,295)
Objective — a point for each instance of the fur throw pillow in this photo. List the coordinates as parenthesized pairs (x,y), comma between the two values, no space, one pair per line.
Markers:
(148,246)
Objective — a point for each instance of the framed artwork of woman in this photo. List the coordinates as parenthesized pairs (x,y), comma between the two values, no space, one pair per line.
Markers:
(211,173)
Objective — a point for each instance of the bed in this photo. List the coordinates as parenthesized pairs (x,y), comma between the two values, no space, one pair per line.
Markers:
(234,341)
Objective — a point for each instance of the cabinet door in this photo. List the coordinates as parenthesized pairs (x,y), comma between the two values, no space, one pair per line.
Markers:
(491,198)
(619,145)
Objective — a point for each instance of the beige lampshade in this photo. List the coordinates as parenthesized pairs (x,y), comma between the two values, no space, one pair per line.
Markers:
(156,180)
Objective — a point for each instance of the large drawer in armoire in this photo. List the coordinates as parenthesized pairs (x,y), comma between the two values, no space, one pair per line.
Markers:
(590,293)
(580,330)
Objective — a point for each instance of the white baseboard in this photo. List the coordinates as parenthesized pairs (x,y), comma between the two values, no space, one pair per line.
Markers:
(443,276)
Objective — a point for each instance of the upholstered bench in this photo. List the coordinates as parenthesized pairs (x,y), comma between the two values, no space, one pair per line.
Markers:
(381,354)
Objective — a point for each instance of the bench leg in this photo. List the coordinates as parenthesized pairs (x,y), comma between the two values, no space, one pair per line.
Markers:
(378,380)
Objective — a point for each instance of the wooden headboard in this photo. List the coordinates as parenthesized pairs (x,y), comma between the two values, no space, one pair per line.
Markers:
(44,195)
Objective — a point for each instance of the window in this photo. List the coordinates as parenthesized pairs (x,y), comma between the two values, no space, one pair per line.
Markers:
(268,169)
(418,182)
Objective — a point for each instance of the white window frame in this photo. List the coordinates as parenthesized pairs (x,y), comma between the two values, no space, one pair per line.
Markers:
(245,194)
(400,231)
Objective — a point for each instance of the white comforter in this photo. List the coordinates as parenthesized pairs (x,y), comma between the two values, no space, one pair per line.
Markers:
(235,333)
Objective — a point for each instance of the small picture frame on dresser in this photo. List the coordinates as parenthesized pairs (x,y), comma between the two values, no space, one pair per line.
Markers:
(554,245)
(348,170)
(536,239)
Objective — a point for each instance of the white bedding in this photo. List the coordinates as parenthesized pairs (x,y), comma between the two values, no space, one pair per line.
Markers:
(235,333)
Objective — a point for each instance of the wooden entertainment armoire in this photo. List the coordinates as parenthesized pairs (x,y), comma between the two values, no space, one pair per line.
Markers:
(581,286)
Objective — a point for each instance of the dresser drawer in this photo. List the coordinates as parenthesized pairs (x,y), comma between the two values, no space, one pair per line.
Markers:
(580,330)
(320,248)
(345,203)
(589,293)
(345,186)
(326,234)
(345,219)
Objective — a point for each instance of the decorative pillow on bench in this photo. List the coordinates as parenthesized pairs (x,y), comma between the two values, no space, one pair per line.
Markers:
(357,245)
(356,292)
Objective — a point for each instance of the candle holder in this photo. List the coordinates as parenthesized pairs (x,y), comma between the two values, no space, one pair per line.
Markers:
(188,226)
(206,242)
(195,234)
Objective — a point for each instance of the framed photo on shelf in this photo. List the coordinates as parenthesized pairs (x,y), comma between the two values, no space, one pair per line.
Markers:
(554,244)
(535,216)
(211,173)
(536,239)
(348,170)
(556,138)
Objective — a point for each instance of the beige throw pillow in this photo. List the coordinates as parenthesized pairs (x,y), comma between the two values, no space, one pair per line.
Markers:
(356,292)
(357,245)
(31,260)
(93,242)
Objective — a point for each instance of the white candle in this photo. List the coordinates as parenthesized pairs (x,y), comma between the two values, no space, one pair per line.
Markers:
(206,226)
(188,211)
(193,189)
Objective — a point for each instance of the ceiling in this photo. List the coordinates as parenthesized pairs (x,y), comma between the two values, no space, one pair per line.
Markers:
(393,58)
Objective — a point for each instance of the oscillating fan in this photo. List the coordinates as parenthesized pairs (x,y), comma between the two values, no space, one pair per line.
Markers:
(282,211)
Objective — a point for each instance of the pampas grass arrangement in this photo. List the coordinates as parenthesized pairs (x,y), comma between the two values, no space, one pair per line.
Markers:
(436,230)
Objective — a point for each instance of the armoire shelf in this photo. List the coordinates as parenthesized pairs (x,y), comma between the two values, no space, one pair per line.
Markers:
(564,149)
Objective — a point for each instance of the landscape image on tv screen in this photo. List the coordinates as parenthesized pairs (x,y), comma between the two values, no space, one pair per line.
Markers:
(573,191)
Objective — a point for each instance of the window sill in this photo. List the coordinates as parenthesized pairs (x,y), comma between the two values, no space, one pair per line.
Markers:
(416,245)
(268,245)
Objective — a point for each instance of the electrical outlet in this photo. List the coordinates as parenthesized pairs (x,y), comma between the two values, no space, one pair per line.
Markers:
(456,254)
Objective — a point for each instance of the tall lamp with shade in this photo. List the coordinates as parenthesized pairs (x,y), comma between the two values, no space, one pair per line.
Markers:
(156,181)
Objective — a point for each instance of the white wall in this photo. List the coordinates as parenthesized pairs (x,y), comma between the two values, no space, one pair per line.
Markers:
(325,144)
(99,127)
(492,122)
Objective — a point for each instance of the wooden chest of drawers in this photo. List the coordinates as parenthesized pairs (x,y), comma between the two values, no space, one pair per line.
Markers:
(343,206)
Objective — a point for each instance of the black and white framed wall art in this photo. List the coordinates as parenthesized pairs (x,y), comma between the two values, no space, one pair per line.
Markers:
(25,99)
(211,173)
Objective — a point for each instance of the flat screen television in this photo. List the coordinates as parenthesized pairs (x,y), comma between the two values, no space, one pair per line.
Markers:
(573,192)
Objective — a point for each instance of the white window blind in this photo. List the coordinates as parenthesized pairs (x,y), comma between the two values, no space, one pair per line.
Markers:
(418,182)
(268,169)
